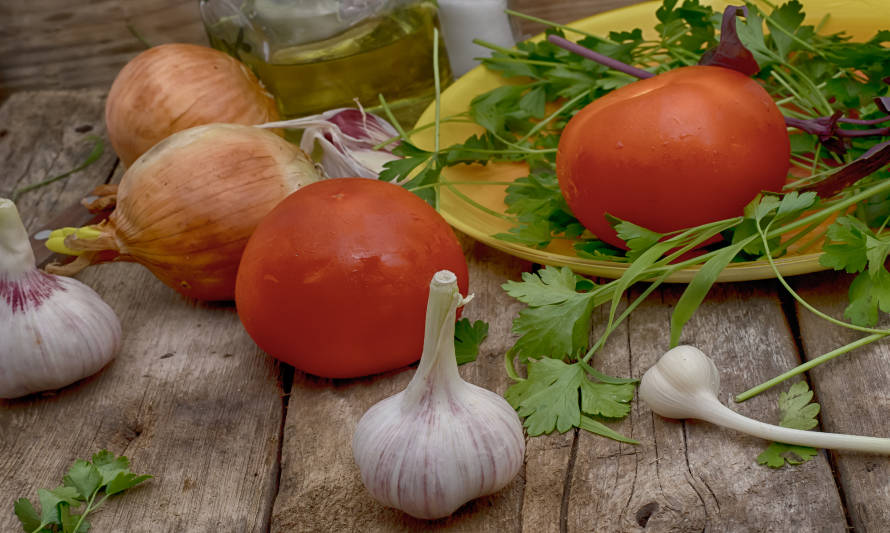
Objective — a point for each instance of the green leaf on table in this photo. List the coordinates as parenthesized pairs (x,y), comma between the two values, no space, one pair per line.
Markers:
(868,293)
(698,288)
(556,322)
(50,500)
(797,412)
(597,427)
(467,339)
(109,466)
(26,514)
(83,481)
(84,477)
(548,398)
(559,396)
(606,399)
(124,481)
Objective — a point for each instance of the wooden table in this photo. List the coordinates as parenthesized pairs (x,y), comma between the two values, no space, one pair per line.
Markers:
(239,443)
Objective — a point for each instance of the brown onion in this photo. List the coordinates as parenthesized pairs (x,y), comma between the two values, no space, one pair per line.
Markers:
(186,208)
(172,87)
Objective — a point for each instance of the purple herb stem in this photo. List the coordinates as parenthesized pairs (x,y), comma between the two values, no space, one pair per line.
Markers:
(864,122)
(613,64)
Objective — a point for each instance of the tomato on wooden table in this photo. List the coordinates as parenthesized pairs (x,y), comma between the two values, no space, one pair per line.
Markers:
(681,149)
(335,280)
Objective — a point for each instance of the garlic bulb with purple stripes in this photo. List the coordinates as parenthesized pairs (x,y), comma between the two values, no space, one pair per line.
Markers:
(442,441)
(53,330)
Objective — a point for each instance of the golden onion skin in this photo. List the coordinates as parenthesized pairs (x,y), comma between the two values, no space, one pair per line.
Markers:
(186,208)
(172,87)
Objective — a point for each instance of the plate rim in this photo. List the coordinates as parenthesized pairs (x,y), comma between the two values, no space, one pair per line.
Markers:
(787,265)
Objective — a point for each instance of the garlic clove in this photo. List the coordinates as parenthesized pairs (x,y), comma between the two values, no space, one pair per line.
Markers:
(53,330)
(442,441)
(347,139)
(684,383)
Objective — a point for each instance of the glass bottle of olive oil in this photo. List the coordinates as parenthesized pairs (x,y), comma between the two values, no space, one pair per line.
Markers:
(315,55)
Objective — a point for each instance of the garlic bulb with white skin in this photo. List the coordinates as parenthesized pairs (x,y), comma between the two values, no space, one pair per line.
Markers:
(53,330)
(684,384)
(442,441)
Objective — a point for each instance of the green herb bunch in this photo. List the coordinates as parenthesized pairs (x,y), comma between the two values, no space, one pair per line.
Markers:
(836,90)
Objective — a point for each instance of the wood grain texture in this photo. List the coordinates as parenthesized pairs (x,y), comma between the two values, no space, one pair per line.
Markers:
(854,392)
(53,44)
(689,475)
(189,398)
(56,44)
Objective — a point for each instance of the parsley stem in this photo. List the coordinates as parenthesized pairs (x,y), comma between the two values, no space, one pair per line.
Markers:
(392,119)
(540,125)
(876,334)
(801,301)
(612,325)
(506,51)
(476,204)
(754,391)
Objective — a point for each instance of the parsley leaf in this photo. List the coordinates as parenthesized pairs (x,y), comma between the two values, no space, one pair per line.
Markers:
(467,339)
(83,482)
(797,413)
(548,399)
(852,246)
(556,322)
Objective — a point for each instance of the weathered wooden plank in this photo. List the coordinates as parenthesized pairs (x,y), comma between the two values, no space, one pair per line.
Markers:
(55,44)
(58,44)
(692,476)
(853,391)
(321,487)
(189,398)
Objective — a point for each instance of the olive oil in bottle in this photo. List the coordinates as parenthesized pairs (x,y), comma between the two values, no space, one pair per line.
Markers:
(389,54)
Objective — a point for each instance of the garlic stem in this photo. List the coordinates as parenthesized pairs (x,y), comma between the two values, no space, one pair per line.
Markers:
(16,255)
(444,299)
(684,383)
(441,442)
(723,416)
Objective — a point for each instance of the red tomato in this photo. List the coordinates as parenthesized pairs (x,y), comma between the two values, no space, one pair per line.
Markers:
(335,280)
(684,148)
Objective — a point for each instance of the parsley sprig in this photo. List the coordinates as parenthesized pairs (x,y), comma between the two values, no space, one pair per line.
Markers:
(85,487)
(798,411)
(833,88)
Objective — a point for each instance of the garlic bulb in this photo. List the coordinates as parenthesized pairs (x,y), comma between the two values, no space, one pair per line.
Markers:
(684,384)
(442,441)
(53,330)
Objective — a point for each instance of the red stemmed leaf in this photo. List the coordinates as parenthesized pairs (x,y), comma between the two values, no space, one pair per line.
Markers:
(871,161)
(731,53)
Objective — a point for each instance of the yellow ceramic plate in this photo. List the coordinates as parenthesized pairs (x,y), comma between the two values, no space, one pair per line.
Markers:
(860,18)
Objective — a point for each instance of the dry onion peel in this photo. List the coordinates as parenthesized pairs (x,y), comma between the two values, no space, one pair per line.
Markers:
(172,87)
(186,208)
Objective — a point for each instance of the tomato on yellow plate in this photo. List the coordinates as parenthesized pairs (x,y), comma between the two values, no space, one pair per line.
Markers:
(860,18)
